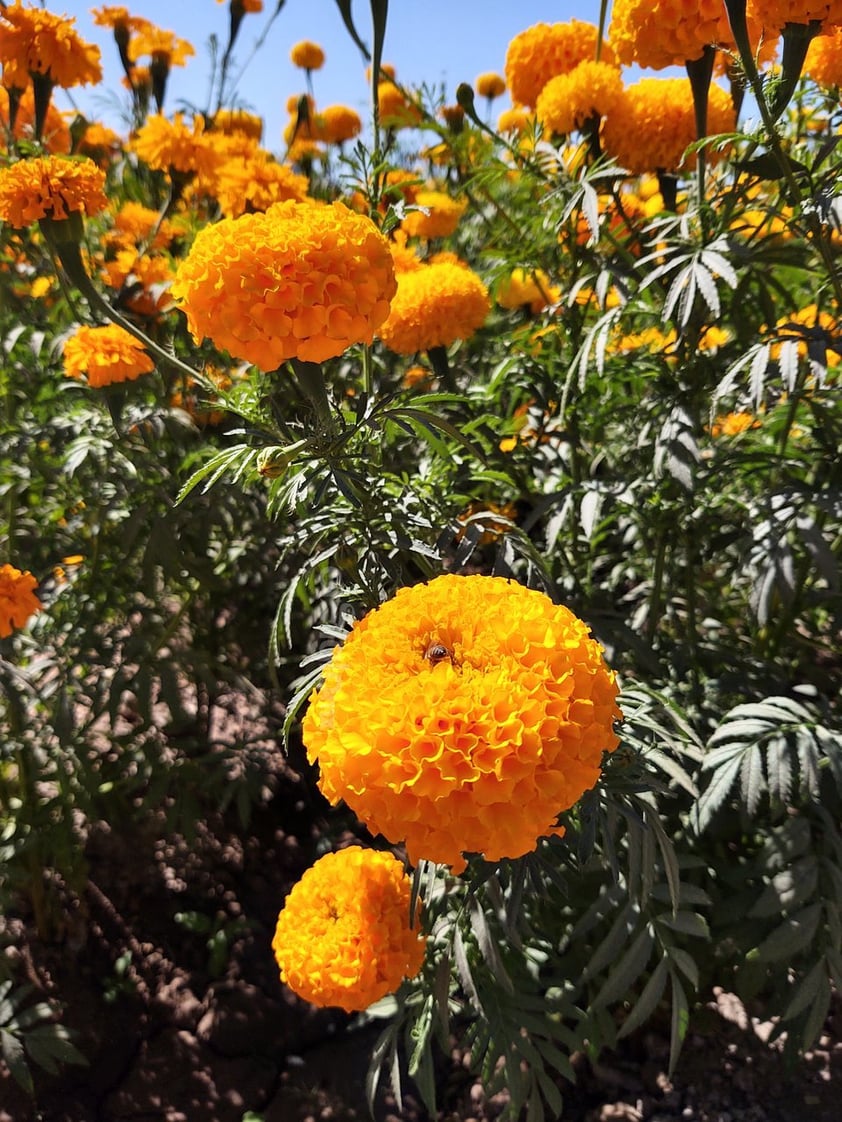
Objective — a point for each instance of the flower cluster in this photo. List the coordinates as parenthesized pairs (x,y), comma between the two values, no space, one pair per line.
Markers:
(343,936)
(304,280)
(17,598)
(652,126)
(463,716)
(105,355)
(50,187)
(546,50)
(33,41)
(434,305)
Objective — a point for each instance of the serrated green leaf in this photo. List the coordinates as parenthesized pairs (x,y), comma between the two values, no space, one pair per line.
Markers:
(647,1003)
(791,937)
(627,971)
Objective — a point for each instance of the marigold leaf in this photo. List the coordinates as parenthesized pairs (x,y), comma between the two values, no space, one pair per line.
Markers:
(647,1002)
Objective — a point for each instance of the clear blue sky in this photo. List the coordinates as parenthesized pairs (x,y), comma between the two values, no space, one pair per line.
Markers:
(431,41)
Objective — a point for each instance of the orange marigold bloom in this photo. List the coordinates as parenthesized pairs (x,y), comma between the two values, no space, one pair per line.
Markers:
(546,50)
(527,287)
(17,598)
(433,307)
(824,59)
(173,147)
(246,6)
(340,123)
(106,355)
(516,119)
(490,85)
(255,183)
(591,89)
(162,46)
(304,280)
(307,55)
(732,424)
(135,222)
(55,135)
(145,278)
(233,121)
(396,111)
(50,187)
(343,936)
(442,219)
(463,716)
(773,15)
(660,33)
(101,143)
(652,125)
(33,41)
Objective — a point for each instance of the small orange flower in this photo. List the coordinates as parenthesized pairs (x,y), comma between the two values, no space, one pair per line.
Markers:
(343,936)
(340,123)
(50,187)
(172,146)
(490,85)
(105,355)
(18,601)
(433,307)
(307,55)
(233,121)
(162,46)
(438,218)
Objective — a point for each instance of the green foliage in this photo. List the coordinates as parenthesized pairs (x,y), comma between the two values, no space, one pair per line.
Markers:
(29,1033)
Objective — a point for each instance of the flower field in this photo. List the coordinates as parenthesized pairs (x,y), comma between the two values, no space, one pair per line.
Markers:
(420,605)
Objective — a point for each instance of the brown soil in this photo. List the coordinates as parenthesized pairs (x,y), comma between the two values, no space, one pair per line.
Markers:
(175,1031)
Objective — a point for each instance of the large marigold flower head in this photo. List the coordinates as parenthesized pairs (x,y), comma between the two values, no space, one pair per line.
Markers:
(438,219)
(591,89)
(105,355)
(546,50)
(652,126)
(824,59)
(773,15)
(343,936)
(463,716)
(34,41)
(18,601)
(661,33)
(173,146)
(304,280)
(433,307)
(51,187)
(307,55)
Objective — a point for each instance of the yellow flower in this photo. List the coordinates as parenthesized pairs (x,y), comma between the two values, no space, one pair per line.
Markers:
(101,143)
(433,307)
(33,41)
(546,50)
(530,288)
(343,936)
(652,125)
(773,15)
(163,47)
(396,111)
(17,598)
(591,89)
(490,85)
(232,121)
(144,279)
(172,146)
(50,187)
(732,424)
(824,58)
(106,355)
(463,716)
(307,55)
(303,280)
(442,219)
(660,33)
(339,123)
(135,222)
(516,119)
(255,183)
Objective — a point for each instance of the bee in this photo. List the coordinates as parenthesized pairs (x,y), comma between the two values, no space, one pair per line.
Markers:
(437,652)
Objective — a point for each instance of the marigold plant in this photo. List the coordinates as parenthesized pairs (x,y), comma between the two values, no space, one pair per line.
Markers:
(343,936)
(434,306)
(18,601)
(33,41)
(304,280)
(50,187)
(591,89)
(463,716)
(105,355)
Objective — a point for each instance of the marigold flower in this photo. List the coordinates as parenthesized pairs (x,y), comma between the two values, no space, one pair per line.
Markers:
(50,187)
(233,121)
(527,288)
(147,279)
(773,15)
(55,132)
(591,89)
(653,124)
(307,55)
(463,716)
(247,6)
(490,85)
(33,41)
(135,222)
(18,601)
(516,119)
(546,50)
(255,183)
(343,936)
(395,109)
(433,307)
(442,219)
(105,355)
(304,280)
(824,59)
(732,424)
(99,142)
(172,146)
(340,123)
(162,46)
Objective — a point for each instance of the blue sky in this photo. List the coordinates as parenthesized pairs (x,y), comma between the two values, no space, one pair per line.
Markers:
(431,41)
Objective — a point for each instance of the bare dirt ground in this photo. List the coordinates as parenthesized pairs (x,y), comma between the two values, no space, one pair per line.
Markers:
(182,1024)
